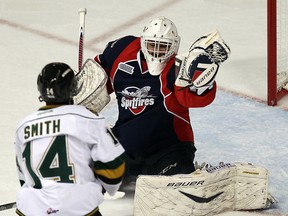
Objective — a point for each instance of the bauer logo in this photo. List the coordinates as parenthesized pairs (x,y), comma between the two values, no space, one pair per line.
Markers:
(136,99)
(185,184)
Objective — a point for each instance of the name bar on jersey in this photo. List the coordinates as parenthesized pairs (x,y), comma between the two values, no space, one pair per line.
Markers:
(42,128)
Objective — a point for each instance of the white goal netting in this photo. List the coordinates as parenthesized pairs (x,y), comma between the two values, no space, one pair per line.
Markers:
(282,44)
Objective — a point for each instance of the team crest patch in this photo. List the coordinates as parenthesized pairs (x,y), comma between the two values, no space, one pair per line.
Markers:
(136,99)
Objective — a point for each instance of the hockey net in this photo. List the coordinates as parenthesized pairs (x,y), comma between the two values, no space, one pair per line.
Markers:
(277,39)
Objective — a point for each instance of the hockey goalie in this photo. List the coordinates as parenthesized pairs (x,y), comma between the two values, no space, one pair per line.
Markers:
(207,191)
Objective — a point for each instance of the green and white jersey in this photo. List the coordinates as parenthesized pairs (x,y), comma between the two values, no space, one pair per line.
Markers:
(58,151)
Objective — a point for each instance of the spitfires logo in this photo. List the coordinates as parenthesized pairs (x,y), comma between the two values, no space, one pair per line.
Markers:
(136,100)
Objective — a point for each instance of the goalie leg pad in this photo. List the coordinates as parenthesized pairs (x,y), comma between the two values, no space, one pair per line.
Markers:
(204,192)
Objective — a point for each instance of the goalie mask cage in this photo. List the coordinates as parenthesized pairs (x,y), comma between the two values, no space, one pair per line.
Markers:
(277,50)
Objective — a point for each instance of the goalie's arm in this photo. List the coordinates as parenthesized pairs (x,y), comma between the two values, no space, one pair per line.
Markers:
(100,59)
(90,87)
(197,69)
(198,87)
(189,99)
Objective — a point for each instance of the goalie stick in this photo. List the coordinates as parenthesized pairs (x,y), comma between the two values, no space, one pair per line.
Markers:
(7,206)
(82,12)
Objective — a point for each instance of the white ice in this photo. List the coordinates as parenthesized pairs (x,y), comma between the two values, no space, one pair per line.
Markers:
(238,126)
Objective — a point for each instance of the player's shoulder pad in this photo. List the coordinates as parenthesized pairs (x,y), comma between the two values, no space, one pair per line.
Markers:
(123,41)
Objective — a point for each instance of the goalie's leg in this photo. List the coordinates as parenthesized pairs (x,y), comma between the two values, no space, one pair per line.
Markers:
(178,159)
(205,192)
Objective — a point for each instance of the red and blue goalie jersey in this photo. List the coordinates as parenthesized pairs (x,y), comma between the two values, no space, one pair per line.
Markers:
(150,115)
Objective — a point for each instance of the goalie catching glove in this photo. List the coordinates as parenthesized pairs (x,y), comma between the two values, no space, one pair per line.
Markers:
(198,67)
(90,89)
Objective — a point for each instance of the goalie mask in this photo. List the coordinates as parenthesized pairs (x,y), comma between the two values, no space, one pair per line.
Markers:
(159,42)
(55,83)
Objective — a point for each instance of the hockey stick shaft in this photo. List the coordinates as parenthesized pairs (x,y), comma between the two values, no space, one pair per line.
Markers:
(7,206)
(82,12)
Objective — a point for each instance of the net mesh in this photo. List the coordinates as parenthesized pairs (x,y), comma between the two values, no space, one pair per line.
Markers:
(282,44)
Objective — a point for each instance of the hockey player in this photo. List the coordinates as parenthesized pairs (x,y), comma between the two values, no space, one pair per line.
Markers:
(66,156)
(153,100)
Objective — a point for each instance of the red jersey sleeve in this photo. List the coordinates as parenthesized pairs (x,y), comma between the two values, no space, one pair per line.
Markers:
(190,99)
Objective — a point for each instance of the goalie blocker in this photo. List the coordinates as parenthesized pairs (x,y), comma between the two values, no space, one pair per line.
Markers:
(90,87)
(209,191)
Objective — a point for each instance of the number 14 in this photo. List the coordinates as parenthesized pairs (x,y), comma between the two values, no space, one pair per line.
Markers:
(54,165)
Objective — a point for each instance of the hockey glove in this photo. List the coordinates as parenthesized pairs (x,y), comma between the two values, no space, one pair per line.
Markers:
(198,68)
(90,88)
(214,45)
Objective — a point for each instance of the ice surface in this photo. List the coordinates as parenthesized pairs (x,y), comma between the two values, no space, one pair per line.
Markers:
(34,33)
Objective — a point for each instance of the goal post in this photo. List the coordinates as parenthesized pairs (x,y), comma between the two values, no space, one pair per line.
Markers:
(277,50)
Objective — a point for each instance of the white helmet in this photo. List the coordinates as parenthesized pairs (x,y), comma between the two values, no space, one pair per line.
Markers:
(159,42)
